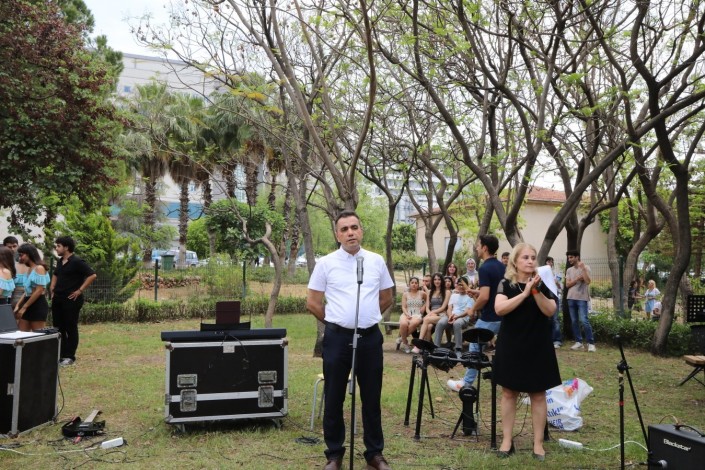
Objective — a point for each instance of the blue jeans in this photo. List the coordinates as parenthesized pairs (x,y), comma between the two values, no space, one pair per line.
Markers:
(579,313)
(493,326)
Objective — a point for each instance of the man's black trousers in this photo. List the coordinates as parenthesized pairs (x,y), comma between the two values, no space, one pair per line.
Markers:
(65,315)
(337,362)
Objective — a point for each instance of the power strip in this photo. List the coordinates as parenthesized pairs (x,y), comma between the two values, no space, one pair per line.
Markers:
(570,444)
(117,442)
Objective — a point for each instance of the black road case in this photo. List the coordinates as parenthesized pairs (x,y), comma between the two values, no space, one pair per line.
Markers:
(231,375)
(29,368)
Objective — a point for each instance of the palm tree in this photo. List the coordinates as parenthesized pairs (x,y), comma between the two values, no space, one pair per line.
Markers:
(224,130)
(185,130)
(147,141)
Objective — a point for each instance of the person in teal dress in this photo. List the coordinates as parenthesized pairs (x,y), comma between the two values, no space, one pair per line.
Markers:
(7,275)
(32,310)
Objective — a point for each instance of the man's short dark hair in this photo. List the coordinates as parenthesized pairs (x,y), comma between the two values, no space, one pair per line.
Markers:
(506,253)
(67,242)
(10,240)
(346,213)
(549,258)
(491,242)
(575,253)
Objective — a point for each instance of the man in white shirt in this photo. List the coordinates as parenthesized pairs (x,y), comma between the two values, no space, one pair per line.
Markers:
(335,278)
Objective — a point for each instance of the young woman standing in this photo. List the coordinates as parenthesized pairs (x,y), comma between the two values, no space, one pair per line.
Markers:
(651,295)
(32,310)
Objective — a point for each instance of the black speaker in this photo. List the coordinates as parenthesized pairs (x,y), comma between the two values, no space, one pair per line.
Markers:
(683,448)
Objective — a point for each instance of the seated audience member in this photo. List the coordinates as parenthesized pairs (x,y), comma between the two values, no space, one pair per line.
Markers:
(457,318)
(436,306)
(452,272)
(413,307)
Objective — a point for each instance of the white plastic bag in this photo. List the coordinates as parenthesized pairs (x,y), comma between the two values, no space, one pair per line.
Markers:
(563,404)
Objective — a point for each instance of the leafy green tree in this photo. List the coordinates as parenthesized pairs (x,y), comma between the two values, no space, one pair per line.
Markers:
(198,238)
(404,237)
(57,130)
(227,218)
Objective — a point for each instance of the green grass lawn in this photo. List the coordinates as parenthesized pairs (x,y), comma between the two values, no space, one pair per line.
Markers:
(121,371)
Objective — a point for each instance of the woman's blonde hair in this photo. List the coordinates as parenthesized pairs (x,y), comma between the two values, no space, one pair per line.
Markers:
(651,283)
(511,272)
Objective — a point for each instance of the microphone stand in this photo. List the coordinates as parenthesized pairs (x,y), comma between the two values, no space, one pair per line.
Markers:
(351,388)
(623,368)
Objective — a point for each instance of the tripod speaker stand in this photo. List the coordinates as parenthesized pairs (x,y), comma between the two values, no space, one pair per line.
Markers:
(422,363)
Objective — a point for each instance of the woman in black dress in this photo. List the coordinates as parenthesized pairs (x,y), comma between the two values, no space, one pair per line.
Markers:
(525,359)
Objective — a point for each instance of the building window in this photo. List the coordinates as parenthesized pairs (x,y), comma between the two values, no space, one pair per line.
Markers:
(127,89)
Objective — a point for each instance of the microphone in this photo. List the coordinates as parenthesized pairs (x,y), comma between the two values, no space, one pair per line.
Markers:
(360,269)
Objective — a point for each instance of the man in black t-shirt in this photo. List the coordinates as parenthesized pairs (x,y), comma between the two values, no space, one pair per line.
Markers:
(71,278)
(491,274)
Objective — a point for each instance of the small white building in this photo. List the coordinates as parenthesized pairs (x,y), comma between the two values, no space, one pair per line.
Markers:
(538,212)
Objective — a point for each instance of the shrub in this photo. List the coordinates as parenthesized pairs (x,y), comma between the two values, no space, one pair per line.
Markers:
(639,334)
(602,289)
(150,311)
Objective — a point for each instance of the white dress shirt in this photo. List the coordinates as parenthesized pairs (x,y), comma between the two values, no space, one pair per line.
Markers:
(336,276)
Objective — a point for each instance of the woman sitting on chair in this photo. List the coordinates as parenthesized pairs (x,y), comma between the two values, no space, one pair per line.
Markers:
(413,307)
(436,306)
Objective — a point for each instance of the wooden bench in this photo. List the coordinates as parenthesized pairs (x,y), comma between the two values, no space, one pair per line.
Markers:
(698,364)
(389,326)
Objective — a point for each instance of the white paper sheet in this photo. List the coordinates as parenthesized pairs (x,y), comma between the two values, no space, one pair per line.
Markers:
(548,278)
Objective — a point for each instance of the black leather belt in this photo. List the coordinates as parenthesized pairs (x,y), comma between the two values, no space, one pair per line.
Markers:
(350,331)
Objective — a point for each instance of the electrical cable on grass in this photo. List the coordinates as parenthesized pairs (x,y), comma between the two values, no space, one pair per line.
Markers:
(615,446)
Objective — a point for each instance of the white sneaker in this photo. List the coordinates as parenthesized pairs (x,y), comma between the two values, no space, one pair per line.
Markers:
(557,345)
(406,348)
(577,346)
(455,385)
(415,350)
(66,362)
(591,348)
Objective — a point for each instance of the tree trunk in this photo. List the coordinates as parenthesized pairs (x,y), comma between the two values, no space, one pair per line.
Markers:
(150,199)
(619,293)
(207,201)
(183,222)
(680,228)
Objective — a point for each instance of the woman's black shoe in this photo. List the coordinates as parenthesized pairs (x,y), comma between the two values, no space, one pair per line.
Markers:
(503,454)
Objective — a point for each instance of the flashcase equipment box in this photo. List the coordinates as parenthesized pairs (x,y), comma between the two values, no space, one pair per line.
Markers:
(226,375)
(29,368)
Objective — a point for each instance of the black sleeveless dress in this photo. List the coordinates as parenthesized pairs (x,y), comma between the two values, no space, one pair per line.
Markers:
(525,359)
